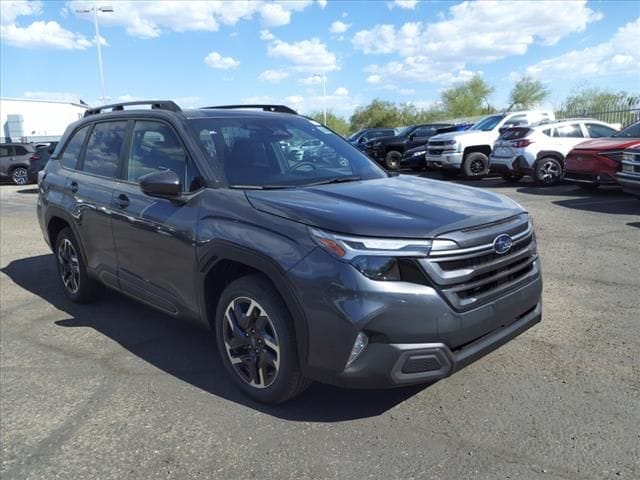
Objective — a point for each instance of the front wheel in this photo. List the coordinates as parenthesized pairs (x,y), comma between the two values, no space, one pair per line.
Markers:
(392,160)
(476,164)
(19,176)
(257,342)
(548,171)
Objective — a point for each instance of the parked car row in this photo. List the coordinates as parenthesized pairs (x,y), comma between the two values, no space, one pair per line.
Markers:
(21,162)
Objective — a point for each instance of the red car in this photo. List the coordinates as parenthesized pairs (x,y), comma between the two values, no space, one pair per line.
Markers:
(596,162)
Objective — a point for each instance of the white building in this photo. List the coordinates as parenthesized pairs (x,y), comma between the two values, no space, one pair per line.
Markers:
(32,120)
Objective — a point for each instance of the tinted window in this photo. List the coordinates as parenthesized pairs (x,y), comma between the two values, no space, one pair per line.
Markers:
(103,150)
(155,147)
(71,153)
(517,119)
(569,131)
(424,132)
(632,131)
(281,151)
(4,151)
(488,123)
(596,130)
(20,150)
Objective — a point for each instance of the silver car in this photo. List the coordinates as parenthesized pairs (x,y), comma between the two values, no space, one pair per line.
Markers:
(14,161)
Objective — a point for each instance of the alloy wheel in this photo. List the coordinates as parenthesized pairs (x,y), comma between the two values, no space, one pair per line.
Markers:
(549,172)
(19,176)
(69,266)
(477,167)
(251,342)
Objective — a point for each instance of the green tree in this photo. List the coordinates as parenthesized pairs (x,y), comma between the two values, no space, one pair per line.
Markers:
(468,98)
(590,99)
(334,122)
(526,93)
(379,113)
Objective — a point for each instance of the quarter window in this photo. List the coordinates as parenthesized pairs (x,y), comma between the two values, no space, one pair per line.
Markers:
(103,150)
(569,131)
(20,150)
(155,147)
(4,151)
(70,156)
(596,130)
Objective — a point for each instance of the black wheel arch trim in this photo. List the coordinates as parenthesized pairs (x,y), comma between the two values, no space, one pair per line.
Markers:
(220,250)
(550,153)
(53,211)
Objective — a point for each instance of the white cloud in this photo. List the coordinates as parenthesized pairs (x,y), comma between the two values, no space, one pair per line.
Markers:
(215,60)
(41,34)
(341,92)
(10,10)
(339,27)
(619,55)
(305,56)
(266,35)
(477,32)
(59,96)
(274,76)
(312,80)
(151,19)
(481,31)
(406,4)
(322,3)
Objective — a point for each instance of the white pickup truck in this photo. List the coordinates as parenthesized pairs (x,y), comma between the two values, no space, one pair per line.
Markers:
(468,151)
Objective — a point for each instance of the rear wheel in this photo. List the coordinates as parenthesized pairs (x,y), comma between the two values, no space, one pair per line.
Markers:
(476,164)
(72,270)
(392,160)
(257,342)
(19,176)
(512,177)
(548,171)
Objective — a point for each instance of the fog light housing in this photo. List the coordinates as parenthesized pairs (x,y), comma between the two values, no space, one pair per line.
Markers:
(358,347)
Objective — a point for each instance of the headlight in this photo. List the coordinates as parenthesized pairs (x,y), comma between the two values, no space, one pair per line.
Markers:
(421,152)
(376,258)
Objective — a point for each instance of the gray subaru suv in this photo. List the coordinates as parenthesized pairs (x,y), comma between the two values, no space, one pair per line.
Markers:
(307,264)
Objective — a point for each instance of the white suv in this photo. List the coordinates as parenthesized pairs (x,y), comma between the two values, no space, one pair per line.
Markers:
(539,150)
(468,151)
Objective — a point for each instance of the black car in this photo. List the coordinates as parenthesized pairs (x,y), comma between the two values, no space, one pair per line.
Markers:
(328,269)
(39,159)
(388,150)
(361,137)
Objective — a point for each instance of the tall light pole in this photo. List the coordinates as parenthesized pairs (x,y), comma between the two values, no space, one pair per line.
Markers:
(324,93)
(95,11)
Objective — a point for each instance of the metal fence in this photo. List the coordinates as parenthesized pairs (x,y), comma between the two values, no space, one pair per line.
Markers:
(621,110)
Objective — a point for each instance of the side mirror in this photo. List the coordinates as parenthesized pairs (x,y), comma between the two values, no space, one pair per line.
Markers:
(164,183)
(362,140)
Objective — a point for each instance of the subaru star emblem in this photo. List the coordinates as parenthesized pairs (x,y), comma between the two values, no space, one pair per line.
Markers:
(502,243)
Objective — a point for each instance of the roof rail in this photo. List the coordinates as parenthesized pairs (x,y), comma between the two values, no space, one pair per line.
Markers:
(266,108)
(155,104)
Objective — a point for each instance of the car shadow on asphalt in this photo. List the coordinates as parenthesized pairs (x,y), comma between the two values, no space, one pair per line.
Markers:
(188,351)
(28,190)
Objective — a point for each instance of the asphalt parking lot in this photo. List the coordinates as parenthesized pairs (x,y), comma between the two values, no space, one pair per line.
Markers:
(116,390)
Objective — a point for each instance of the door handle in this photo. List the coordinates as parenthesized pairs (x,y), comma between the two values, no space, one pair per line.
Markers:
(73,186)
(122,201)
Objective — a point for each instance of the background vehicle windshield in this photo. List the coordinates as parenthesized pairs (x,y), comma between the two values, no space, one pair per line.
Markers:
(487,123)
(280,152)
(355,136)
(632,131)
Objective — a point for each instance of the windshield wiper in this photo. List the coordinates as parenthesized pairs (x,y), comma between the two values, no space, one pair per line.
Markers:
(328,181)
(261,187)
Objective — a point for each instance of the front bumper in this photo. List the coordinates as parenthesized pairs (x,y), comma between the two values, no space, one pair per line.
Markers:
(590,178)
(519,164)
(413,160)
(415,335)
(445,160)
(630,182)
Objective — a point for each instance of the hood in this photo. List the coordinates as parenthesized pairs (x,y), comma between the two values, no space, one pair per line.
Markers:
(397,207)
(608,143)
(465,136)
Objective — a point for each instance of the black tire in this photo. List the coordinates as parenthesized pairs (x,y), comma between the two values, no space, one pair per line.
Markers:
(20,176)
(548,171)
(261,341)
(76,283)
(512,177)
(475,165)
(392,160)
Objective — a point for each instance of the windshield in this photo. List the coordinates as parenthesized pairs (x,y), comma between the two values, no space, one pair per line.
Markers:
(355,136)
(277,152)
(632,131)
(404,131)
(487,123)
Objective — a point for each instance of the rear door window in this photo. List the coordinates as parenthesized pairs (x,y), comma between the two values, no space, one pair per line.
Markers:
(103,149)
(71,153)
(20,150)
(569,131)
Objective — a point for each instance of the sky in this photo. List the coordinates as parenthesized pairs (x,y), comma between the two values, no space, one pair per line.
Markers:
(224,52)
